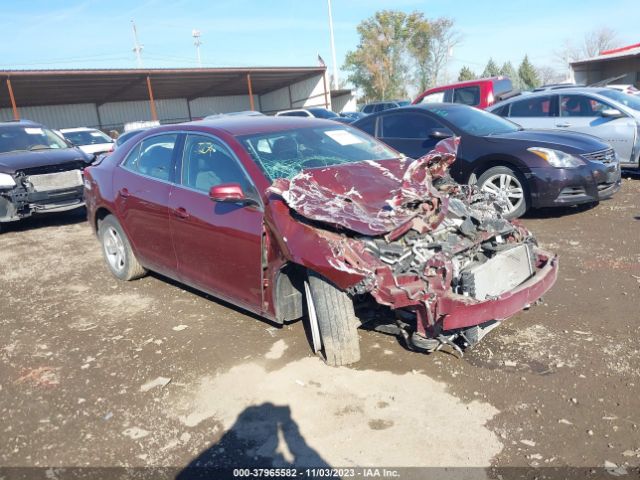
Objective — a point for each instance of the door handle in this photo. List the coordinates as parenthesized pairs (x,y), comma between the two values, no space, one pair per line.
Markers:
(563,125)
(124,192)
(181,212)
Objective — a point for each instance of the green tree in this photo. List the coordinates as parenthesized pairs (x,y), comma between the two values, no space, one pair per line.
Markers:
(527,74)
(507,70)
(376,65)
(466,74)
(491,70)
(419,47)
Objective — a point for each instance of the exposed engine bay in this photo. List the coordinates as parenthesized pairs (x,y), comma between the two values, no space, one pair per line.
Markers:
(436,254)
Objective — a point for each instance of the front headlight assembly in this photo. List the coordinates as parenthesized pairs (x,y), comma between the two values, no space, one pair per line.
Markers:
(557,158)
(6,181)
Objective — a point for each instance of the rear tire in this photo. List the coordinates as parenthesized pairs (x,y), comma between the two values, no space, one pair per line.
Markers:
(507,182)
(337,321)
(117,251)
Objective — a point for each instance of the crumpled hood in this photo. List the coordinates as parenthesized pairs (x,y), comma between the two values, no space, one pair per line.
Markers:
(11,162)
(370,197)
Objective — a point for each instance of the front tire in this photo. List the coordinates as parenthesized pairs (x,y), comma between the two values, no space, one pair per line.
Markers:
(508,184)
(337,321)
(117,251)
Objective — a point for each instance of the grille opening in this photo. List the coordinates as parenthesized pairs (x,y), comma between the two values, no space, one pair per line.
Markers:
(604,156)
(569,192)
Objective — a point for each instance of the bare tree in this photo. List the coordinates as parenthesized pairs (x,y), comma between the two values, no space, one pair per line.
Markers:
(593,43)
(598,40)
(443,39)
(548,74)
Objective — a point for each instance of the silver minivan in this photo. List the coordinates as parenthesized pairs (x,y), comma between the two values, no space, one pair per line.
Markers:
(608,114)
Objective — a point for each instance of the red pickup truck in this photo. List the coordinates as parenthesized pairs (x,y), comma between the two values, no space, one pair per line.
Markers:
(480,93)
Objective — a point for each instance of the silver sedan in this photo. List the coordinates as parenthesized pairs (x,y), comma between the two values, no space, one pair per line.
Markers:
(606,113)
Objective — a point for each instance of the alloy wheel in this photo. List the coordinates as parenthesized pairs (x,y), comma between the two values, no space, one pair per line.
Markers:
(114,249)
(506,187)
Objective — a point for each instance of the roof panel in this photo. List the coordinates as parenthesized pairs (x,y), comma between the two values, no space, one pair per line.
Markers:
(54,87)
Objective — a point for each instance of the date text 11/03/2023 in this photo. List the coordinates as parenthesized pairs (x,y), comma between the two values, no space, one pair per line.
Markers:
(315,473)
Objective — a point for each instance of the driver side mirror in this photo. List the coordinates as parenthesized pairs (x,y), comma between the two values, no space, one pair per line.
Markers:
(440,133)
(611,113)
(229,193)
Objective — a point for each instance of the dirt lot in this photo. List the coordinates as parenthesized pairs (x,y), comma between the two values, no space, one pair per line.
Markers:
(96,372)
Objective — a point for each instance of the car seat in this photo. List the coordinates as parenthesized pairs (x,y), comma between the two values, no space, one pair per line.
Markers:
(156,162)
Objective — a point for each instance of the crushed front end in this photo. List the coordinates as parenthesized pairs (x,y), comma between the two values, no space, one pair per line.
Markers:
(52,188)
(437,255)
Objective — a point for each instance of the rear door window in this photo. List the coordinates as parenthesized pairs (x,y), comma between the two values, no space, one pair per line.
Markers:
(368,125)
(467,95)
(533,107)
(153,156)
(407,125)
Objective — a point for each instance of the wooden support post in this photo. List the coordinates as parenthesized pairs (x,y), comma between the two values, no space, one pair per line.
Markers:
(250,91)
(152,103)
(16,114)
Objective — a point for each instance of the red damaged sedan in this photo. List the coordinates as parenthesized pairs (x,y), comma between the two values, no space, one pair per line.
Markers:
(283,216)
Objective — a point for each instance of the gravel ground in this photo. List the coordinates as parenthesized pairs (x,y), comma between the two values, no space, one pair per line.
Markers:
(101,373)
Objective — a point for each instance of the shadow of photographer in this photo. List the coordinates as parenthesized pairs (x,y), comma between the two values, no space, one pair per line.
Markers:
(263,436)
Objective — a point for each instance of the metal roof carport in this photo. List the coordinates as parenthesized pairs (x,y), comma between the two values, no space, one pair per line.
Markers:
(609,64)
(292,86)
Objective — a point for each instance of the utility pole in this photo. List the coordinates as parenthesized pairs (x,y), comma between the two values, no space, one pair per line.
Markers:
(196,41)
(333,49)
(137,48)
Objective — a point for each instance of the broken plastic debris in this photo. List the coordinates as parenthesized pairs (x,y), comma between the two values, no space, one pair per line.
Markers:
(529,443)
(158,382)
(565,421)
(179,328)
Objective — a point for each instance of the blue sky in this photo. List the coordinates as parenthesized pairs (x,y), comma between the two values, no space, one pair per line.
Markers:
(97,33)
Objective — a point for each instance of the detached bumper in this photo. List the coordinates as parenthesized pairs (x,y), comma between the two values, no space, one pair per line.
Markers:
(553,187)
(460,311)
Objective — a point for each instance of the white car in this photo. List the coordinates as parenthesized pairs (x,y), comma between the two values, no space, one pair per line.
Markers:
(89,140)
(628,89)
(310,112)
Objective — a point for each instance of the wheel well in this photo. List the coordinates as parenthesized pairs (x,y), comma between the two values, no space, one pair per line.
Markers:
(488,163)
(100,215)
(289,292)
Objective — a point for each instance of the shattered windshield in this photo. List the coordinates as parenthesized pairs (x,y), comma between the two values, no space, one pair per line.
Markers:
(284,154)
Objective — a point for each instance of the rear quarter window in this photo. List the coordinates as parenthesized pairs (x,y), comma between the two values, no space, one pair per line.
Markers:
(500,87)
(502,111)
